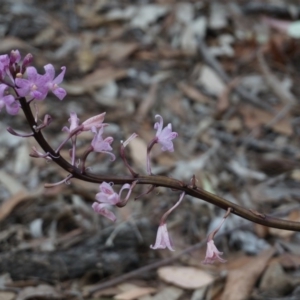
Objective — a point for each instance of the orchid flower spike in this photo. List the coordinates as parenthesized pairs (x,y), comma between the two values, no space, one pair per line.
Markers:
(165,135)
(102,145)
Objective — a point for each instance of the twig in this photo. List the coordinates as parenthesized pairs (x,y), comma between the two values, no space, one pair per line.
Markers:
(213,63)
(163,181)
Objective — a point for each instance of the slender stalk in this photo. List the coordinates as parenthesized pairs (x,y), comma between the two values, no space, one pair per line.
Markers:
(174,184)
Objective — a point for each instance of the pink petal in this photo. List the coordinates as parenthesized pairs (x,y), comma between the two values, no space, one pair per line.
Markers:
(50,72)
(101,209)
(95,121)
(3,87)
(106,188)
(32,74)
(23,86)
(13,108)
(212,254)
(60,77)
(59,92)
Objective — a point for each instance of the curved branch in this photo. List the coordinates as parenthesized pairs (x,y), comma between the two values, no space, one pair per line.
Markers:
(156,180)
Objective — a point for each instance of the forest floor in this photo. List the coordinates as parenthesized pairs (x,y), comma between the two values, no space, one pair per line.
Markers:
(225,74)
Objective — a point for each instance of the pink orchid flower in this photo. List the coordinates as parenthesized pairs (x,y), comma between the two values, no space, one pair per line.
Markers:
(165,135)
(34,86)
(109,196)
(212,254)
(11,105)
(102,145)
(163,240)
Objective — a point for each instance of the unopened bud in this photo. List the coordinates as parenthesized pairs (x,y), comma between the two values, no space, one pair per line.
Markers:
(27,60)
(15,56)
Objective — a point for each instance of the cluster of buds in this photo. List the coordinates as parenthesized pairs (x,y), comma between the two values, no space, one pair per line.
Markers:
(20,84)
(25,81)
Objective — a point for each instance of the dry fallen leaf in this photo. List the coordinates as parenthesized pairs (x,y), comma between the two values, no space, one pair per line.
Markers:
(11,42)
(135,293)
(12,184)
(7,295)
(43,291)
(293,216)
(120,51)
(275,281)
(138,150)
(97,79)
(168,293)
(7,206)
(240,281)
(185,277)
(254,117)
(211,81)
(193,93)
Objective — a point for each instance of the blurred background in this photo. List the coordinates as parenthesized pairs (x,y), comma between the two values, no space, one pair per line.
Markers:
(226,75)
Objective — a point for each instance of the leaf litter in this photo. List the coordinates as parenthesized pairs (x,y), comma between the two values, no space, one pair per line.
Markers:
(226,79)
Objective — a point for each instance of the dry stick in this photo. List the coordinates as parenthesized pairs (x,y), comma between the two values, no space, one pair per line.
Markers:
(156,180)
(275,85)
(166,261)
(213,63)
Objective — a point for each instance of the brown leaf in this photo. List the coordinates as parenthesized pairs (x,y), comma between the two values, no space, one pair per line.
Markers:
(120,51)
(240,281)
(223,99)
(293,216)
(9,43)
(7,207)
(185,277)
(13,185)
(135,293)
(254,117)
(275,282)
(97,79)
(147,103)
(7,295)
(138,149)
(43,291)
(193,93)
(86,60)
